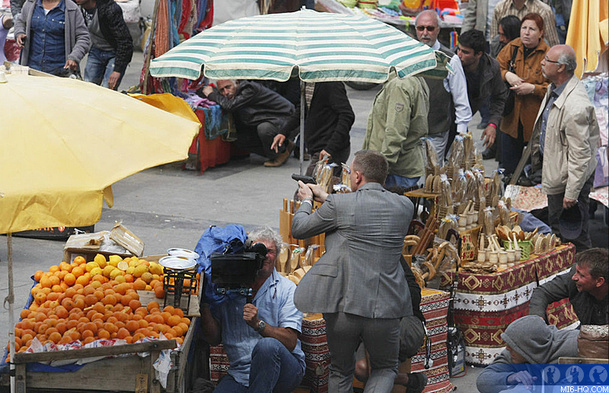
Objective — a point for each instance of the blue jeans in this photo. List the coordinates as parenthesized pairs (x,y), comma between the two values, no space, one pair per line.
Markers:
(100,64)
(273,369)
(401,181)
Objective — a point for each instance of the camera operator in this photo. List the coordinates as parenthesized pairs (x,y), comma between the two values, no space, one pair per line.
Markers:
(260,338)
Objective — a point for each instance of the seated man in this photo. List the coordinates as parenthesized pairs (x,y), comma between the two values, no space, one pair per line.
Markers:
(586,286)
(528,341)
(260,115)
(260,338)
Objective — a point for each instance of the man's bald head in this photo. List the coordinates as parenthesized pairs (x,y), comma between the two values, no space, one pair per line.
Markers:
(559,64)
(566,56)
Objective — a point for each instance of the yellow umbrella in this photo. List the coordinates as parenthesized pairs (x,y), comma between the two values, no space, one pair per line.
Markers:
(64,142)
(588,33)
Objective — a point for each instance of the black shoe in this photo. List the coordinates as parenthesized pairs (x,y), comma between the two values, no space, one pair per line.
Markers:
(416,382)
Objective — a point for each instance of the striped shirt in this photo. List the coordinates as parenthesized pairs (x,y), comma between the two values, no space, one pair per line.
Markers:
(506,7)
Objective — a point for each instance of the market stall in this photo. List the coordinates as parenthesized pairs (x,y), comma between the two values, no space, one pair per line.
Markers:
(486,303)
(403,18)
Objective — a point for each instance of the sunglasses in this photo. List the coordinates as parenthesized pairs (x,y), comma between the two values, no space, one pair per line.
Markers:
(428,28)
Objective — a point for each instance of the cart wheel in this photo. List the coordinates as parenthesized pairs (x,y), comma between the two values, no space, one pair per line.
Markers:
(361,85)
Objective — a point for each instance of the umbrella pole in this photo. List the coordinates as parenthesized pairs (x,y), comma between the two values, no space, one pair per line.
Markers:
(303,104)
(11,317)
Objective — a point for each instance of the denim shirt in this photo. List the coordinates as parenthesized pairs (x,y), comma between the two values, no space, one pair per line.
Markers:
(47,35)
(275,303)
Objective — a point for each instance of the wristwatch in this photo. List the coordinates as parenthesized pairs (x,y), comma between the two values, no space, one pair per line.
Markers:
(261,326)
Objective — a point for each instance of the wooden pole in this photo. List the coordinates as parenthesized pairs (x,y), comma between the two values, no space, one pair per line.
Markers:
(11,317)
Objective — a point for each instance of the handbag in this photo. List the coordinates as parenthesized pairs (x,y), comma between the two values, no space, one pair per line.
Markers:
(509,102)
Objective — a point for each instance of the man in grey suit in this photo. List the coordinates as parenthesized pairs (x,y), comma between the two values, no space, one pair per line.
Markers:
(358,284)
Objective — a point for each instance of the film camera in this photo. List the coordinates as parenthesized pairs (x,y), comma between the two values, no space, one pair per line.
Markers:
(235,271)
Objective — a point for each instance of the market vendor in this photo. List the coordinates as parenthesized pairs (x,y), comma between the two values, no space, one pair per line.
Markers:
(528,341)
(260,338)
(261,117)
(586,286)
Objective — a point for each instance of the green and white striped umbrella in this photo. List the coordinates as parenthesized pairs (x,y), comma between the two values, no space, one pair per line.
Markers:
(322,46)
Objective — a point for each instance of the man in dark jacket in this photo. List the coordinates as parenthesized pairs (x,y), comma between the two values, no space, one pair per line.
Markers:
(112,45)
(328,122)
(260,114)
(586,285)
(483,76)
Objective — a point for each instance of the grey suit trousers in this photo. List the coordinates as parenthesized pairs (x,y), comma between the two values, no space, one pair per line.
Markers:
(382,340)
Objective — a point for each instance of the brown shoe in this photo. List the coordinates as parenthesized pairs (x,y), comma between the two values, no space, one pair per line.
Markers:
(281,158)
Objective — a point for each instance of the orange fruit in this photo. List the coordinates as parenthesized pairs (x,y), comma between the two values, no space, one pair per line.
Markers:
(186,321)
(54,280)
(78,271)
(69,279)
(54,269)
(38,275)
(57,288)
(109,300)
(132,326)
(45,282)
(138,284)
(152,305)
(68,303)
(70,292)
(137,337)
(80,260)
(159,292)
(179,312)
(174,320)
(83,280)
(135,304)
(122,333)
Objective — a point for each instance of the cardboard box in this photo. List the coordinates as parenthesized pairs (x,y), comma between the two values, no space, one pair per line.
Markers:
(88,245)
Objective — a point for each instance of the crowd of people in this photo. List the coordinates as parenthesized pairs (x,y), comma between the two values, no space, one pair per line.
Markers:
(509,65)
(55,36)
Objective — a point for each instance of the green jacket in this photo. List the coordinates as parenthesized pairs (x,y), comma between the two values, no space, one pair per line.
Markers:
(396,124)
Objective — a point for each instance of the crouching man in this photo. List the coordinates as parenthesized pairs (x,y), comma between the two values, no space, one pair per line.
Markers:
(529,341)
(260,338)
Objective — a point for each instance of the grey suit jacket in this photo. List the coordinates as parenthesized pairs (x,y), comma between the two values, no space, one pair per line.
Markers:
(360,272)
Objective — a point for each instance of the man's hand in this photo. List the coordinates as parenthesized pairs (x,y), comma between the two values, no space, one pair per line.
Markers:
(250,315)
(113,79)
(522,377)
(523,89)
(277,142)
(568,203)
(207,90)
(314,191)
(489,135)
(324,153)
(513,79)
(71,64)
(20,39)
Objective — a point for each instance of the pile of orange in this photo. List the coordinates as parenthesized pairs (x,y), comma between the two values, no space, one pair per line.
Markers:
(69,304)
